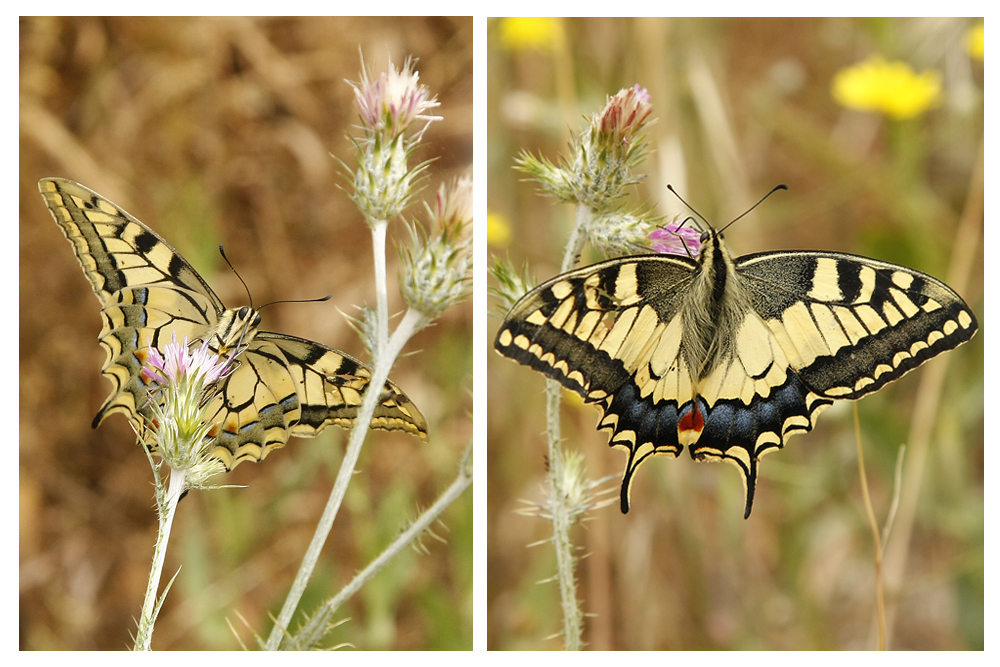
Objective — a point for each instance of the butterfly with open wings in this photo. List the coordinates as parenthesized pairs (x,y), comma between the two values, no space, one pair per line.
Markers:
(729,357)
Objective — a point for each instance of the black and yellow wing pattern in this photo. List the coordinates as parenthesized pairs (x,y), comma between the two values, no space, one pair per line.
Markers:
(281,385)
(729,357)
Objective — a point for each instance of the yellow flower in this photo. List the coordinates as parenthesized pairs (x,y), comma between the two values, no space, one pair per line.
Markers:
(531,33)
(497,230)
(892,88)
(974,41)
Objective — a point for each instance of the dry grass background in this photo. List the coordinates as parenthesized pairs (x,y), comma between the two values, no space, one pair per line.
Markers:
(742,106)
(209,131)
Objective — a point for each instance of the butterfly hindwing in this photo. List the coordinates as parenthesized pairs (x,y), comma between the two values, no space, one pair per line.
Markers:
(136,318)
(330,384)
(729,357)
(281,385)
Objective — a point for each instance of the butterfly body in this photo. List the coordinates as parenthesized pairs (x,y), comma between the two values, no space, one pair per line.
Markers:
(728,357)
(281,385)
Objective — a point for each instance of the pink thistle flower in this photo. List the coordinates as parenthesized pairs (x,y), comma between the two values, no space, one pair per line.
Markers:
(453,202)
(181,385)
(394,100)
(625,113)
(178,362)
(675,239)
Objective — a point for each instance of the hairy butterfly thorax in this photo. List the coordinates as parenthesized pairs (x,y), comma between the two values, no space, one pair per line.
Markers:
(729,357)
(280,386)
(235,331)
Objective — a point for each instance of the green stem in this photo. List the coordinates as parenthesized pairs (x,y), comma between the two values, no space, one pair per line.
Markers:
(381,290)
(411,322)
(561,520)
(167,507)
(317,626)
(572,616)
(574,246)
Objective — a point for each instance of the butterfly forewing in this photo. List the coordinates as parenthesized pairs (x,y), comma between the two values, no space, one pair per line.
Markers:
(281,385)
(573,327)
(115,250)
(860,324)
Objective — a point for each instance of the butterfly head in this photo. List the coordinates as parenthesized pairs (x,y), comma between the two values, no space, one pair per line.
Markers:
(236,328)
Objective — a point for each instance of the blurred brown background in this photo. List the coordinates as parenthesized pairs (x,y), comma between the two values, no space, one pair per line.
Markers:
(744,105)
(219,131)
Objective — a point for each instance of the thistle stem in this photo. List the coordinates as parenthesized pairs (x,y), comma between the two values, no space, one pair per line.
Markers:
(412,321)
(572,617)
(574,246)
(381,290)
(313,631)
(168,507)
(561,521)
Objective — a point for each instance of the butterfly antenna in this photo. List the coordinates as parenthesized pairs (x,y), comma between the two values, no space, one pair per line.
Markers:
(324,298)
(681,238)
(773,190)
(222,251)
(671,188)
